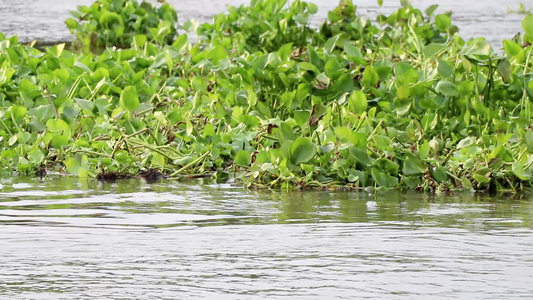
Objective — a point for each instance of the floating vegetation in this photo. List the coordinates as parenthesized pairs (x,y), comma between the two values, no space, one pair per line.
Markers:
(521,9)
(400,102)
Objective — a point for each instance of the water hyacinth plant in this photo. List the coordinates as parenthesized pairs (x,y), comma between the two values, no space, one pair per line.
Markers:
(120,23)
(401,102)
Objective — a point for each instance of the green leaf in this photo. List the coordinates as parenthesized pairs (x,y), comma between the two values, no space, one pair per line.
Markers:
(482,48)
(302,116)
(308,67)
(527,25)
(217,54)
(242,158)
(431,9)
(443,22)
(18,112)
(505,69)
(357,102)
(313,8)
(59,141)
(413,166)
(129,99)
(466,142)
(158,159)
(73,165)
(412,181)
(302,151)
(446,88)
(370,76)
(361,156)
(383,179)
(511,48)
(402,106)
(58,128)
(406,3)
(333,69)
(23,137)
(36,156)
(330,44)
(444,68)
(85,104)
(431,49)
(439,174)
(343,84)
(521,172)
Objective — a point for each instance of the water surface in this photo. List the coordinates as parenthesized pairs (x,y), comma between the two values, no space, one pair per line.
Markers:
(76,239)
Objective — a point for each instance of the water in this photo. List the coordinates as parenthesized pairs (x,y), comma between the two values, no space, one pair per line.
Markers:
(42,20)
(76,239)
(73,239)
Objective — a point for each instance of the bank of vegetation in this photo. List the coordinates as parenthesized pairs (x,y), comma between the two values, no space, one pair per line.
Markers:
(401,101)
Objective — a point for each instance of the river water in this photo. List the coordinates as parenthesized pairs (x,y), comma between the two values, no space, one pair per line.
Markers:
(64,238)
(42,20)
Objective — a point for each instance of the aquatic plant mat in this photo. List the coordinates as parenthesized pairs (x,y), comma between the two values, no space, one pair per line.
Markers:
(401,101)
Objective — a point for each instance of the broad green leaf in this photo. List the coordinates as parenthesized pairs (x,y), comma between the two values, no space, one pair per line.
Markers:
(313,8)
(129,99)
(357,102)
(59,141)
(59,127)
(370,76)
(527,25)
(302,151)
(443,22)
(302,116)
(242,158)
(444,68)
(158,159)
(431,9)
(433,48)
(18,112)
(383,179)
(511,48)
(505,69)
(439,174)
(412,181)
(36,156)
(413,166)
(520,171)
(23,137)
(333,69)
(446,88)
(466,142)
(73,165)
(361,156)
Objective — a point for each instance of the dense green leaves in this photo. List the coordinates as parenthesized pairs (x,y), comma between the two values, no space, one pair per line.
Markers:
(400,103)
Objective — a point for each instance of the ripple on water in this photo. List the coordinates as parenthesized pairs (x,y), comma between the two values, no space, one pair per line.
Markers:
(69,238)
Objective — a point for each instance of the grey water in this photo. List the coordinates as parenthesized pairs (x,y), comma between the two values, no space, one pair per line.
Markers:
(67,238)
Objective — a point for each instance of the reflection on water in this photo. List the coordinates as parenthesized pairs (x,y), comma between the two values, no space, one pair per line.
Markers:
(64,238)
(79,202)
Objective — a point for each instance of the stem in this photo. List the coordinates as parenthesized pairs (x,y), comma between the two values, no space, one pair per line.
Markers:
(194,162)
(92,152)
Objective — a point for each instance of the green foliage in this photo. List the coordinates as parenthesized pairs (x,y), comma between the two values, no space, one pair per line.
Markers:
(400,102)
(122,23)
